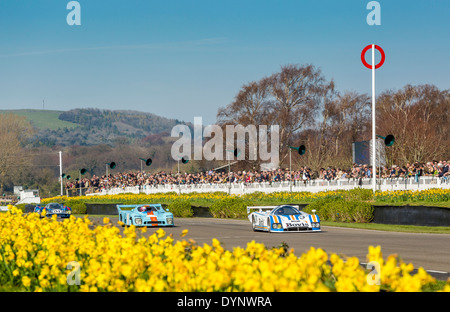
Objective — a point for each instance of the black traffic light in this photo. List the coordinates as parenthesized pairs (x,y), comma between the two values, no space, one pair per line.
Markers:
(184,160)
(148,161)
(83,171)
(301,149)
(112,165)
(388,140)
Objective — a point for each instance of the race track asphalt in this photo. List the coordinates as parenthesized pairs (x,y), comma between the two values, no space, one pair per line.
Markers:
(430,251)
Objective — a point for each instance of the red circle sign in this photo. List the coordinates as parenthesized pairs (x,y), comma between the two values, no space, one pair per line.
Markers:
(363,58)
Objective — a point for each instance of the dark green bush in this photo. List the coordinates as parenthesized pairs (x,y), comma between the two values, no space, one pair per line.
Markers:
(340,210)
(77,206)
(181,208)
(358,194)
(22,206)
(230,208)
(59,200)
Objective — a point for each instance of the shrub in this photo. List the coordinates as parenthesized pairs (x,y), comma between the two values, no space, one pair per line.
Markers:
(232,207)
(363,212)
(181,208)
(77,206)
(358,194)
(22,207)
(429,195)
(337,209)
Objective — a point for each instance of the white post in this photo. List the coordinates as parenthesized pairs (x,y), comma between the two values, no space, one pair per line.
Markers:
(229,176)
(290,165)
(60,172)
(107,178)
(374,162)
(290,170)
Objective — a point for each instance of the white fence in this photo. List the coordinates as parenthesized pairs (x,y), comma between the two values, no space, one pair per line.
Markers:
(388,184)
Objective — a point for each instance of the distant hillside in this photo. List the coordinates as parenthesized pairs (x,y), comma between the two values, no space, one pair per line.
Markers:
(42,119)
(94,126)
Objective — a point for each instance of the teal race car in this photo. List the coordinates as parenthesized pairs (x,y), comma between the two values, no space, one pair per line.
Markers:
(145,215)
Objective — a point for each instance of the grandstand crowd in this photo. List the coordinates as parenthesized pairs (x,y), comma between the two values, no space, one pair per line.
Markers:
(438,169)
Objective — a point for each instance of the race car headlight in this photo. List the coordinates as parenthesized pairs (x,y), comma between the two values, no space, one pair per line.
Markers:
(138,221)
(169,220)
(316,225)
(276,226)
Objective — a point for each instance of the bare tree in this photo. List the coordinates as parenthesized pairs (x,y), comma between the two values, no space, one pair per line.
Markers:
(343,120)
(297,94)
(14,132)
(290,99)
(250,106)
(348,118)
(418,117)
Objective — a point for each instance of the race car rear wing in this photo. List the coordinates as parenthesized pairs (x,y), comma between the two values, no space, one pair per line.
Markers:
(261,208)
(121,208)
(125,207)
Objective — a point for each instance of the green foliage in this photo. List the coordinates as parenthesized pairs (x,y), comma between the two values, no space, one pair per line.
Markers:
(358,194)
(93,126)
(21,206)
(232,207)
(42,119)
(345,206)
(340,210)
(78,206)
(61,200)
(96,126)
(434,195)
(181,208)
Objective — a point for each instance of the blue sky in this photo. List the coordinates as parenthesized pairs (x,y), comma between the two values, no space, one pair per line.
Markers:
(182,59)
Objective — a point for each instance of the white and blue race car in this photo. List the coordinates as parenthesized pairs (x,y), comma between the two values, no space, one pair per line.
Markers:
(283,218)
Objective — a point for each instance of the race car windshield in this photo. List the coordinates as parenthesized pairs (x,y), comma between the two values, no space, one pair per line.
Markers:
(53,206)
(287,210)
(148,208)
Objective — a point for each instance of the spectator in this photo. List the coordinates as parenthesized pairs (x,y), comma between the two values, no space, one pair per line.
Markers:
(438,169)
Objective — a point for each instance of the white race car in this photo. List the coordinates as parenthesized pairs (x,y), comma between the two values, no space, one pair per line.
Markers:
(284,218)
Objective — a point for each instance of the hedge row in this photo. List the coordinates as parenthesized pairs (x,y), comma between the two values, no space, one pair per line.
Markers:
(337,209)
(345,206)
(328,209)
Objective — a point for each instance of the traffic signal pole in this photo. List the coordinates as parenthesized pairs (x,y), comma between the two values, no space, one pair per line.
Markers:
(60,172)
(374,145)
(373,67)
